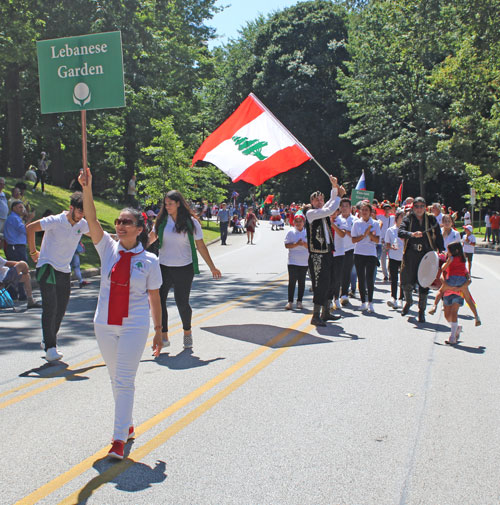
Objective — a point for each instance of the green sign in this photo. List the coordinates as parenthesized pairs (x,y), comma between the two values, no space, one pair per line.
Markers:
(81,73)
(358,195)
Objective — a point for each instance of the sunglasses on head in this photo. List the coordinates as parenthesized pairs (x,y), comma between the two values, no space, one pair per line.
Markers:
(124,222)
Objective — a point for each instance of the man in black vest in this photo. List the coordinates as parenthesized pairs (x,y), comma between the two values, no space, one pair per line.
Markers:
(422,234)
(320,244)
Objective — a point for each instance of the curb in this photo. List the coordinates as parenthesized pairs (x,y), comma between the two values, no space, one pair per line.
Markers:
(486,245)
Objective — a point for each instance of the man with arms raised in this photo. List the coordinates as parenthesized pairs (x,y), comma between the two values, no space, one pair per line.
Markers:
(62,234)
(320,244)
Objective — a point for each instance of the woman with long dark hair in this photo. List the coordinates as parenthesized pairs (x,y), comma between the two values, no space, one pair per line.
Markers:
(179,234)
(130,282)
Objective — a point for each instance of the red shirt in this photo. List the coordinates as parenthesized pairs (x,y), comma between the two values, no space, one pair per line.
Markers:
(495,222)
(456,267)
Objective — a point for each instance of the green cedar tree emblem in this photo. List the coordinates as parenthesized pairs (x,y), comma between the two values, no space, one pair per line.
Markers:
(251,147)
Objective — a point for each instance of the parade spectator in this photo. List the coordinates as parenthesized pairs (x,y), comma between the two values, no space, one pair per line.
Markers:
(495,227)
(365,235)
(395,247)
(62,233)
(15,196)
(469,245)
(223,220)
(4,205)
(298,256)
(467,219)
(75,265)
(487,233)
(30,174)
(437,212)
(179,234)
(14,272)
(132,192)
(129,292)
(41,173)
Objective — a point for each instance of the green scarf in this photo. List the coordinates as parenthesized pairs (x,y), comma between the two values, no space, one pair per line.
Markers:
(160,231)
(51,276)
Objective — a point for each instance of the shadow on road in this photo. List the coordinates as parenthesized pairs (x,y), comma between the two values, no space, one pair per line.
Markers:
(261,334)
(127,475)
(181,361)
(50,370)
(472,350)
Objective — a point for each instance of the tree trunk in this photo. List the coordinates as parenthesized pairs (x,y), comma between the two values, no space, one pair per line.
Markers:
(4,148)
(52,145)
(15,136)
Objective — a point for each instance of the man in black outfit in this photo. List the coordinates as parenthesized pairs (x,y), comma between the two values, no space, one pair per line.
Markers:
(422,234)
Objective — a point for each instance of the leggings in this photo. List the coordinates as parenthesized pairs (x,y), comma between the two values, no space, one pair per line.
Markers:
(122,348)
(346,273)
(365,268)
(296,274)
(181,279)
(394,267)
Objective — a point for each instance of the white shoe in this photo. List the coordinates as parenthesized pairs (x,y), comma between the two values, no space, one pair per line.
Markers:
(336,304)
(344,300)
(166,342)
(370,307)
(459,330)
(53,354)
(364,306)
(288,306)
(393,304)
(399,304)
(299,305)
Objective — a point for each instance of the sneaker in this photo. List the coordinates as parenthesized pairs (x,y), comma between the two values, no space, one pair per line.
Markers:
(451,340)
(336,304)
(299,305)
(288,306)
(344,300)
(364,306)
(53,354)
(188,341)
(317,321)
(393,304)
(399,304)
(166,342)
(131,434)
(34,305)
(370,307)
(117,449)
(42,345)
(406,309)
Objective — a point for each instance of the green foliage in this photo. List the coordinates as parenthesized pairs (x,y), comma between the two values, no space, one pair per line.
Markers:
(485,186)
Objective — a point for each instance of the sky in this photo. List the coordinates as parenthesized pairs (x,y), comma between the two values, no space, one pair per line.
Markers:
(232,18)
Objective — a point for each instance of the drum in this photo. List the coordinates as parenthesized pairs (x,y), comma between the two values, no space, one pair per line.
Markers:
(428,269)
(437,281)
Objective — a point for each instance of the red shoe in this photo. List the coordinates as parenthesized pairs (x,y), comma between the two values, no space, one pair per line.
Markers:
(117,449)
(131,434)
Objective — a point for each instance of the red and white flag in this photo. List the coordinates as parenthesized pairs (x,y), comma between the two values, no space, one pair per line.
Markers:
(252,145)
(399,196)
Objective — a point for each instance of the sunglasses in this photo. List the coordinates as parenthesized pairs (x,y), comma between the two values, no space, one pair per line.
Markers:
(419,206)
(124,222)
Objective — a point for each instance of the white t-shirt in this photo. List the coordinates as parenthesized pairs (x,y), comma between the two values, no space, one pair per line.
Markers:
(439,218)
(469,248)
(60,241)
(339,241)
(365,247)
(175,250)
(467,218)
(3,269)
(454,236)
(145,274)
(487,220)
(348,245)
(298,255)
(392,239)
(131,187)
(387,222)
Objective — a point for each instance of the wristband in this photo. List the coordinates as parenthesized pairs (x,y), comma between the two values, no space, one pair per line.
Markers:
(33,252)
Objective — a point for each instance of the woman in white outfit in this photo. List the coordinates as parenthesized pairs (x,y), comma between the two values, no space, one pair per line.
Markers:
(130,283)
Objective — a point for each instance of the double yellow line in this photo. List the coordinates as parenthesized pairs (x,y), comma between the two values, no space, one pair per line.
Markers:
(174,428)
(213,312)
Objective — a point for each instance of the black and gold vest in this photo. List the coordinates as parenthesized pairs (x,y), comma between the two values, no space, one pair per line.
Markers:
(316,239)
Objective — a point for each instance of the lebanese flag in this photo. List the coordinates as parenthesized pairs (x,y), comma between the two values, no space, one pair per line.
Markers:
(252,145)
(399,196)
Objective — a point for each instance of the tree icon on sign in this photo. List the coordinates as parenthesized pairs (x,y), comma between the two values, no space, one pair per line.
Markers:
(81,94)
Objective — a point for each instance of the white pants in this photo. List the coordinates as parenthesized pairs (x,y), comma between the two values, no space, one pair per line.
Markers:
(122,348)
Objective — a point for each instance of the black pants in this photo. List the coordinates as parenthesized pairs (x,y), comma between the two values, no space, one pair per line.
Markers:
(16,252)
(409,277)
(321,272)
(338,265)
(181,279)
(296,274)
(223,232)
(394,267)
(365,268)
(40,177)
(346,272)
(55,299)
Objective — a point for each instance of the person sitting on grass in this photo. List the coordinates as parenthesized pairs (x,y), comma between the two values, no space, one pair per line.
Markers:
(13,272)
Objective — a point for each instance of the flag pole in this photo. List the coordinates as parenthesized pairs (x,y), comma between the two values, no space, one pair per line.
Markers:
(84,143)
(315,161)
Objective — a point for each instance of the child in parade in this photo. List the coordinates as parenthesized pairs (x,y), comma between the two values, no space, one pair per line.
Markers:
(469,245)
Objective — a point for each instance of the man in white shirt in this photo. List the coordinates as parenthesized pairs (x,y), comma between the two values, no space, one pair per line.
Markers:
(436,210)
(320,245)
(131,192)
(62,234)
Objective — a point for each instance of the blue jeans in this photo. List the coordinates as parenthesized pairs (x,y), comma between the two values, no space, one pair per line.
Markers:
(17,252)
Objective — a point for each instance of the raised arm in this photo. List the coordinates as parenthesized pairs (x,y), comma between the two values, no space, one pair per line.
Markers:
(95,228)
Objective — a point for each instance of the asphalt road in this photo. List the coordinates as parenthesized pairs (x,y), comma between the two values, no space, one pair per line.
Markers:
(266,409)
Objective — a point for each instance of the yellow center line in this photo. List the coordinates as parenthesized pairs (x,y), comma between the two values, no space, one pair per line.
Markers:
(87,463)
(196,321)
